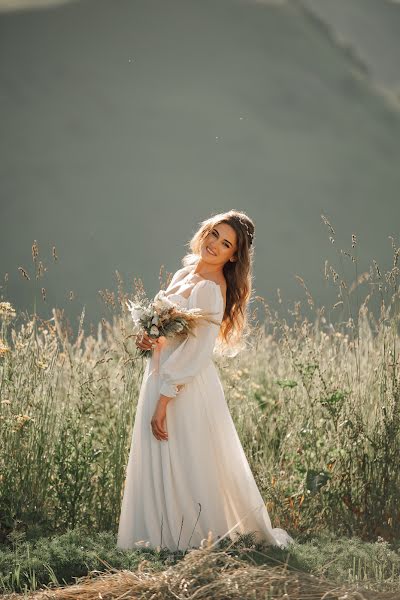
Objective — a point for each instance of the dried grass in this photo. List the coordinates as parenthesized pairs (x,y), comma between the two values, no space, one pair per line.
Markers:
(204,574)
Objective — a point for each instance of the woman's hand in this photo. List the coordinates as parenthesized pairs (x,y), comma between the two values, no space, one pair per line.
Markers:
(158,421)
(158,425)
(144,341)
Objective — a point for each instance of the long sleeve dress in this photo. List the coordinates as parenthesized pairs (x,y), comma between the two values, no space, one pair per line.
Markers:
(178,490)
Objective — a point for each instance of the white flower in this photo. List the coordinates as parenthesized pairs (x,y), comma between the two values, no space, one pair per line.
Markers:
(161,301)
(136,310)
(154,330)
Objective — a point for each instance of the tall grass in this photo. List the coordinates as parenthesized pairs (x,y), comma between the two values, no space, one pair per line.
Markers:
(322,413)
(316,407)
(67,409)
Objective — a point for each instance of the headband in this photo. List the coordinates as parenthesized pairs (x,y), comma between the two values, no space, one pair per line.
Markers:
(250,235)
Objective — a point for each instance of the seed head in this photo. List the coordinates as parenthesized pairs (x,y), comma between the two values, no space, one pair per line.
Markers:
(326,274)
(377,268)
(35,250)
(24,273)
(41,270)
(325,220)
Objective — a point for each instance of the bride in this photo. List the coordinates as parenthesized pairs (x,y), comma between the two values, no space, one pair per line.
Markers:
(187,473)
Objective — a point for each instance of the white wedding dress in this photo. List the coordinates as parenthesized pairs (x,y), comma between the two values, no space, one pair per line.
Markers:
(199,480)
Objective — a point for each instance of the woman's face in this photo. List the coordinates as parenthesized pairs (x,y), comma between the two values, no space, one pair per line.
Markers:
(219,245)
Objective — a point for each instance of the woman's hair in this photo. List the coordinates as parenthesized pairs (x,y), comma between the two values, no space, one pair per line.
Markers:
(238,275)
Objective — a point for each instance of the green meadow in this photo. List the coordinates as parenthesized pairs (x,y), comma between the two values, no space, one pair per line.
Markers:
(316,406)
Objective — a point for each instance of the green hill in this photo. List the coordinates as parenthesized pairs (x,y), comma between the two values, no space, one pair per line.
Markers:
(124,124)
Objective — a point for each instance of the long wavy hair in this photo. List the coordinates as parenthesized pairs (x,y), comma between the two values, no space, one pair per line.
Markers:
(238,275)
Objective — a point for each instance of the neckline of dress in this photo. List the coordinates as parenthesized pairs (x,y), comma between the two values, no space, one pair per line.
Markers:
(192,274)
(205,279)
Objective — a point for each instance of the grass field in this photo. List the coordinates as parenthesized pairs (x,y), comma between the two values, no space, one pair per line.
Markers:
(317,409)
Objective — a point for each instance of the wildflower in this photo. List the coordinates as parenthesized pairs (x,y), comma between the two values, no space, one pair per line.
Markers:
(3,348)
(136,310)
(161,301)
(20,345)
(255,385)
(42,364)
(21,420)
(154,330)
(7,311)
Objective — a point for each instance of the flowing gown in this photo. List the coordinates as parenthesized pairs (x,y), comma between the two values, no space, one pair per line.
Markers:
(199,480)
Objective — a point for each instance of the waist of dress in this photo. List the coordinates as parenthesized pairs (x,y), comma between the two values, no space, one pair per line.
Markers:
(163,351)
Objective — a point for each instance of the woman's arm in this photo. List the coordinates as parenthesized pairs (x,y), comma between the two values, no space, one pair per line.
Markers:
(193,354)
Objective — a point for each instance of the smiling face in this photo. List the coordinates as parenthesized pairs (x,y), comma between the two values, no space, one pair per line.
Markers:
(220,245)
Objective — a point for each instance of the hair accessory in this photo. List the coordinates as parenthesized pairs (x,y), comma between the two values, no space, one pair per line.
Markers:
(249,233)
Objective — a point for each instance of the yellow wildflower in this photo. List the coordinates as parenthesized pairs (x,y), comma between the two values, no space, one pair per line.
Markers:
(3,348)
(42,364)
(21,420)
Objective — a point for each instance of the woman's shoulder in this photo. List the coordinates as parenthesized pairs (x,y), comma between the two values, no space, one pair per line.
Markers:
(179,274)
(221,282)
(211,284)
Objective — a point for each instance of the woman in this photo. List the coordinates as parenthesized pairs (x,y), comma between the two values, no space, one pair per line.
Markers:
(187,473)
